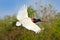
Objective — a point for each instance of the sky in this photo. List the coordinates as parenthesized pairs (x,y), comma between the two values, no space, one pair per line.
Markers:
(10,7)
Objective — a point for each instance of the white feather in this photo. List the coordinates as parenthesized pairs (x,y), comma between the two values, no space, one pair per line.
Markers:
(18,23)
(26,21)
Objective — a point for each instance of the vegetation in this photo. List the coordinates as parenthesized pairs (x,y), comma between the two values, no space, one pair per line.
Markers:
(51,24)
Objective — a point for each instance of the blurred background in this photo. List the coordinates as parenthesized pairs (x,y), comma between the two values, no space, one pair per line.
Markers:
(47,10)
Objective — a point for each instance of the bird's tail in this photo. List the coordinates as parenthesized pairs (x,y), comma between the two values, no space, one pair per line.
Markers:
(18,23)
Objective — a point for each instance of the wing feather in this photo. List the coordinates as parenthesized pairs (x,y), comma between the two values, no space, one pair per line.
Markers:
(28,24)
(22,13)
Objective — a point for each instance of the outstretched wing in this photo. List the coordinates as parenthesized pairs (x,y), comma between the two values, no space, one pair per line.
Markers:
(22,13)
(28,24)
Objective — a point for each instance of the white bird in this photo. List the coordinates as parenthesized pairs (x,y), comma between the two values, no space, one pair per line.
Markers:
(26,22)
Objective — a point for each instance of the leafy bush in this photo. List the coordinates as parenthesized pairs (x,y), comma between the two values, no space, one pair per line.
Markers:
(9,31)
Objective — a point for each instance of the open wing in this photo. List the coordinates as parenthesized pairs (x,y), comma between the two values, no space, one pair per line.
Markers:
(22,13)
(28,24)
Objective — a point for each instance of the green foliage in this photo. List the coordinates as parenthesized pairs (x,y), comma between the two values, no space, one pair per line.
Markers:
(31,12)
(9,31)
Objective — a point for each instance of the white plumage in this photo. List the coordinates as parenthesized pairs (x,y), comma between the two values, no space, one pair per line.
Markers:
(26,21)
(18,23)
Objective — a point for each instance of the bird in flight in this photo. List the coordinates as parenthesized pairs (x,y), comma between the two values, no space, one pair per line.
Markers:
(27,22)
